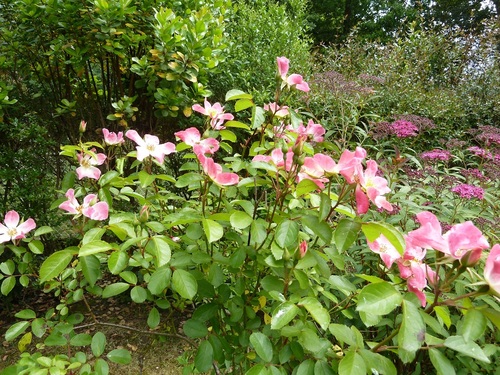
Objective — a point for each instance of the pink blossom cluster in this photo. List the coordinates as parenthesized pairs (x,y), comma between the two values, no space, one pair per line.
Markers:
(202,147)
(468,191)
(403,129)
(215,113)
(11,230)
(481,152)
(463,242)
(436,154)
(313,132)
(91,207)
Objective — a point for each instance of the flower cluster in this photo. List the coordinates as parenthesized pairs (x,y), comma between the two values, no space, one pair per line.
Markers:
(215,113)
(468,191)
(403,129)
(90,207)
(436,154)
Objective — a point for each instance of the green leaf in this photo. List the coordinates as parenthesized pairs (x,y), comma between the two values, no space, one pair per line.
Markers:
(343,334)
(101,367)
(81,339)
(373,231)
(91,268)
(117,262)
(8,267)
(36,246)
(262,346)
(204,357)
(352,364)
(138,294)
(129,276)
(114,289)
(108,177)
(243,104)
(159,281)
(55,264)
(26,314)
(470,349)
(227,135)
(153,318)
(43,230)
(24,341)
(412,332)
(317,311)
(473,325)
(493,316)
(379,298)
(240,220)
(286,235)
(259,369)
(440,362)
(93,234)
(184,283)
(236,124)
(235,94)
(15,330)
(305,187)
(94,247)
(160,249)
(195,329)
(320,228)
(38,327)
(378,364)
(98,344)
(121,356)
(346,233)
(145,179)
(213,230)
(283,314)
(187,179)
(7,285)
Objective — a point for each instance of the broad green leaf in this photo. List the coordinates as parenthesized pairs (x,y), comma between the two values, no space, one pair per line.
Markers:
(129,276)
(55,264)
(324,207)
(94,247)
(203,361)
(43,230)
(91,268)
(440,362)
(352,364)
(262,346)
(286,235)
(114,289)
(379,298)
(98,344)
(346,233)
(242,104)
(81,339)
(378,364)
(343,333)
(108,177)
(306,368)
(322,367)
(26,314)
(145,179)
(159,280)
(320,228)
(258,369)
(8,267)
(235,94)
(117,262)
(443,313)
(258,117)
(283,315)
(7,285)
(412,332)
(187,179)
(493,316)
(473,325)
(15,330)
(305,187)
(24,341)
(240,220)
(184,283)
(36,246)
(195,329)
(153,318)
(101,367)
(317,311)
(236,124)
(213,230)
(373,231)
(138,294)
(121,356)
(470,349)
(160,249)
(92,235)
(38,327)
(227,135)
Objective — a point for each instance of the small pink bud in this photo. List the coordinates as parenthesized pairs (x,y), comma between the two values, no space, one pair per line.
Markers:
(83,126)
(303,248)
(144,214)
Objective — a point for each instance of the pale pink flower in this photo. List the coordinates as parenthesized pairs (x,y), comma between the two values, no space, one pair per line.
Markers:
(88,162)
(214,171)
(294,80)
(215,112)
(385,249)
(492,269)
(11,230)
(192,137)
(276,110)
(371,187)
(283,66)
(277,158)
(314,132)
(464,238)
(111,138)
(150,146)
(350,164)
(429,235)
(90,207)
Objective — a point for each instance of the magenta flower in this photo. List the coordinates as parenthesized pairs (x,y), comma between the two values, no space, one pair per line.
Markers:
(293,80)
(192,137)
(88,162)
(403,129)
(11,230)
(312,131)
(350,164)
(385,249)
(214,171)
(436,154)
(371,188)
(150,146)
(468,191)
(111,138)
(429,235)
(90,208)
(492,269)
(215,113)
(465,238)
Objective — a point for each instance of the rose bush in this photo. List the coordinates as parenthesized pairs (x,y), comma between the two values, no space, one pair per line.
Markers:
(281,246)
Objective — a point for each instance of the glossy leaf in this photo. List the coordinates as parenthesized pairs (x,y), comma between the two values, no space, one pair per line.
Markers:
(412,332)
(373,231)
(470,348)
(91,268)
(184,283)
(286,235)
(262,346)
(94,247)
(203,361)
(440,362)
(213,230)
(98,344)
(55,264)
(379,298)
(346,233)
(114,289)
(15,330)
(317,311)
(352,364)
(283,315)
